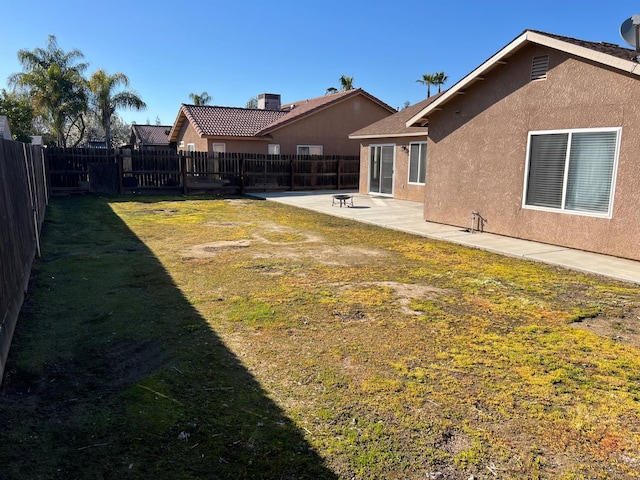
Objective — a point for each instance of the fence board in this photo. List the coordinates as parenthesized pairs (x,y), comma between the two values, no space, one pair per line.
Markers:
(23,199)
(158,170)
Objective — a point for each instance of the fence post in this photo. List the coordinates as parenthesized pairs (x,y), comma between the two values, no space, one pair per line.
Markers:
(292,173)
(242,175)
(120,160)
(338,172)
(183,166)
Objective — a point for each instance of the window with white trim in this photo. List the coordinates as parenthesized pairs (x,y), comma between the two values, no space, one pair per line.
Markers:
(181,144)
(572,171)
(417,162)
(309,149)
(273,149)
(191,147)
(218,148)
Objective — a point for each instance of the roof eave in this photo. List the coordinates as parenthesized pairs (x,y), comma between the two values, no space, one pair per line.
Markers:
(387,135)
(498,59)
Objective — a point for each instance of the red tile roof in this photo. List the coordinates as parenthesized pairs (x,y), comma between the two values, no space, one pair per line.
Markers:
(151,134)
(247,122)
(230,121)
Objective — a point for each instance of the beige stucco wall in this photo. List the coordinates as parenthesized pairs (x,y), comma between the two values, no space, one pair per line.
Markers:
(402,189)
(331,127)
(477,151)
(188,134)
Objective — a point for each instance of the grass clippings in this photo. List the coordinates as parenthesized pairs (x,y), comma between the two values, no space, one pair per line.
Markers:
(189,338)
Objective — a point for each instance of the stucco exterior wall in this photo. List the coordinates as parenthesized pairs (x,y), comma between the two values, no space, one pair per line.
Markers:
(402,189)
(188,135)
(330,127)
(477,151)
(240,146)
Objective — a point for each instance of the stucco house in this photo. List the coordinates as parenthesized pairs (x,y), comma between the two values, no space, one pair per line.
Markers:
(5,131)
(393,155)
(542,140)
(317,126)
(150,137)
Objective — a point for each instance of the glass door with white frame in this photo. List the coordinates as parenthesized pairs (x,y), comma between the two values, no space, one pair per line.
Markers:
(381,159)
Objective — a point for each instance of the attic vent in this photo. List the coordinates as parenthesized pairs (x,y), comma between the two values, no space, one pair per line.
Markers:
(539,67)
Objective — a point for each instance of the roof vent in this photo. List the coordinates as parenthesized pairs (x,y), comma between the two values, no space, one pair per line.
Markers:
(540,67)
(269,101)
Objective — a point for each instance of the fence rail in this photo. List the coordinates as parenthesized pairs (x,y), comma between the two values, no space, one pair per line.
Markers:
(122,170)
(23,200)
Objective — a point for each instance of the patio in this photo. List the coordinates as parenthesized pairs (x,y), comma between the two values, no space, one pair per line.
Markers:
(406,216)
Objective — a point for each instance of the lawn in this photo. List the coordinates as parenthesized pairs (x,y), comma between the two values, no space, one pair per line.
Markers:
(192,338)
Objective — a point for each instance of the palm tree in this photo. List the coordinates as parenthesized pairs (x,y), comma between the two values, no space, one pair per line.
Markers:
(346,84)
(203,99)
(440,79)
(427,79)
(106,101)
(55,81)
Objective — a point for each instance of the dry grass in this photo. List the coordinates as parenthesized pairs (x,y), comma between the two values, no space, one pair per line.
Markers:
(385,355)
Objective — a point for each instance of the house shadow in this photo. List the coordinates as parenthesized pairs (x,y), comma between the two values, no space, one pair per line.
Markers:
(114,373)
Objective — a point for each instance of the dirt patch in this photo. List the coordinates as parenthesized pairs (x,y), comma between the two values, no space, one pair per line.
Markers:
(288,242)
(625,329)
(406,292)
(211,249)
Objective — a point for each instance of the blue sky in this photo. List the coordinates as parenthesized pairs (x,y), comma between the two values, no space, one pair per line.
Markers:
(237,50)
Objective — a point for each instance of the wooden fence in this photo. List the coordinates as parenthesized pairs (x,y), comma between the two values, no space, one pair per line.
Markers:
(124,170)
(23,200)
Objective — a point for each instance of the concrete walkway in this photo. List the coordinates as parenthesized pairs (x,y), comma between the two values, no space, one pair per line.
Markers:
(407,217)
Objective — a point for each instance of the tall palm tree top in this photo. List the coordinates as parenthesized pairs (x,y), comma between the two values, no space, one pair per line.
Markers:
(106,98)
(200,99)
(427,79)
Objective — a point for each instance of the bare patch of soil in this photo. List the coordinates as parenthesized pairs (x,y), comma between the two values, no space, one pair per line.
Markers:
(406,292)
(212,248)
(288,242)
(625,329)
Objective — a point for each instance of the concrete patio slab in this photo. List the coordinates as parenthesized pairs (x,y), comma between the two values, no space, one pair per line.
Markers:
(406,216)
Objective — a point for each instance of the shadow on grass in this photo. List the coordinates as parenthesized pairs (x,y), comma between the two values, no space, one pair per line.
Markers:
(113,373)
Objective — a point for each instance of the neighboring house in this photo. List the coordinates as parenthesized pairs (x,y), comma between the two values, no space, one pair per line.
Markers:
(5,131)
(393,156)
(318,126)
(542,141)
(150,137)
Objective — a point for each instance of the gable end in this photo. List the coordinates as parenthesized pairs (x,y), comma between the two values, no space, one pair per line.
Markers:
(539,67)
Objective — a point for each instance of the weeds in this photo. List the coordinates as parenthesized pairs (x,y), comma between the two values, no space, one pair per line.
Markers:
(233,338)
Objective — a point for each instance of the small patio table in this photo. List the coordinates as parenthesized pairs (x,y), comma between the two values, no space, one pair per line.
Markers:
(342,200)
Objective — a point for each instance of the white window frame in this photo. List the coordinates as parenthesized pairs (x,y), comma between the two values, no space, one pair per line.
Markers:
(273,149)
(421,146)
(310,147)
(219,147)
(181,144)
(562,208)
(191,147)
(376,173)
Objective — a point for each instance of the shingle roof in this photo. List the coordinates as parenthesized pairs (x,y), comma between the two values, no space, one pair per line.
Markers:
(297,110)
(151,134)
(247,122)
(602,47)
(395,125)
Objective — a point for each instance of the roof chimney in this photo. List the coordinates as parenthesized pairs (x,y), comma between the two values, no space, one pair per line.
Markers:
(269,101)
